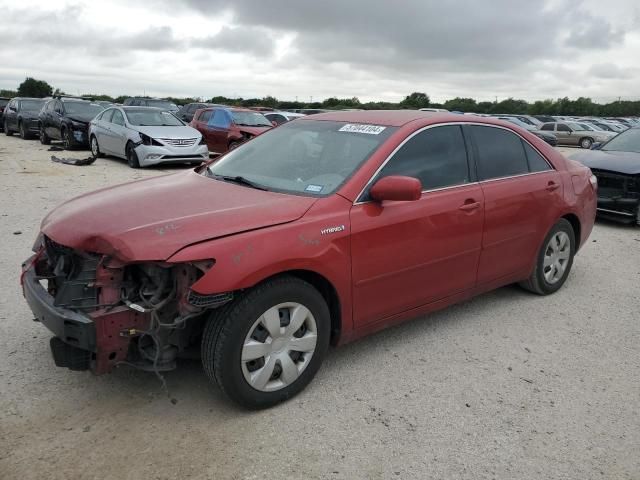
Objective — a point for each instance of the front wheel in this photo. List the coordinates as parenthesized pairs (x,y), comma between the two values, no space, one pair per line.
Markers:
(23,133)
(268,344)
(586,143)
(7,131)
(554,260)
(95,149)
(132,156)
(44,138)
(67,139)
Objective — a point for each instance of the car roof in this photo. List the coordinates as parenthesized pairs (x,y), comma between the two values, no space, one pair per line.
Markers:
(390,118)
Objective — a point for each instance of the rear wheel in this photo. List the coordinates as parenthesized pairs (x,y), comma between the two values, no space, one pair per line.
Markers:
(7,131)
(586,142)
(132,156)
(44,138)
(554,260)
(268,344)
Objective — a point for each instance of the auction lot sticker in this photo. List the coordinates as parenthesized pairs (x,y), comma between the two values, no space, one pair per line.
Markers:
(357,128)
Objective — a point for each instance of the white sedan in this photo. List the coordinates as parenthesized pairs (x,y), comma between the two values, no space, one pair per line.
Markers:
(145,136)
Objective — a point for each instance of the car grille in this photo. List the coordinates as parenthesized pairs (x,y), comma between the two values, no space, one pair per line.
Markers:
(618,192)
(179,142)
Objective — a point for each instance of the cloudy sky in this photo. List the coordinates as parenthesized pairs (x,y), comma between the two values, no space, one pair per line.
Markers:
(372,49)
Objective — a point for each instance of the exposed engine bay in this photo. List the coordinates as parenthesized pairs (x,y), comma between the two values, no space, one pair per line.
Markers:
(144,315)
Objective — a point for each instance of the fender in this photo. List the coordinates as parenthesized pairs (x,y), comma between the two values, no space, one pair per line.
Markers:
(319,242)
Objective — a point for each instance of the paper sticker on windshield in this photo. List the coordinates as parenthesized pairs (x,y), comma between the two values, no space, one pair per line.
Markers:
(358,128)
(314,188)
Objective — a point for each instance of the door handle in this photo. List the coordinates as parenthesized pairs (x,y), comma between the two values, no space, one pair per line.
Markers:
(551,186)
(469,206)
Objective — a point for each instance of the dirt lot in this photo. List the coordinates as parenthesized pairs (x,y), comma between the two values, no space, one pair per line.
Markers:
(508,385)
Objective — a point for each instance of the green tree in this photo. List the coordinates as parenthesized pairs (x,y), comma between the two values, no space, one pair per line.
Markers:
(511,105)
(461,105)
(415,100)
(34,88)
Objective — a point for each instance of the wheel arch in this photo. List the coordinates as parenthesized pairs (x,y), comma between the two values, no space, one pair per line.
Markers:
(573,219)
(328,292)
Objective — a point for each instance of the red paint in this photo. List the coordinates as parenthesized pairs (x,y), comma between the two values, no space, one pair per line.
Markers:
(220,139)
(392,261)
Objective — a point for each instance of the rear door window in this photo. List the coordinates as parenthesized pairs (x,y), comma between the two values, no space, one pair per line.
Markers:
(500,153)
(436,156)
(205,116)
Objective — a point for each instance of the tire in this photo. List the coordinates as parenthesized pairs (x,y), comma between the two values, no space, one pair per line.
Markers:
(95,149)
(132,156)
(234,145)
(67,140)
(230,328)
(547,279)
(23,133)
(586,143)
(7,131)
(44,138)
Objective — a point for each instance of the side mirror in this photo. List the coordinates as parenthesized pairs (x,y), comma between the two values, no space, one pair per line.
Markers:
(596,146)
(396,188)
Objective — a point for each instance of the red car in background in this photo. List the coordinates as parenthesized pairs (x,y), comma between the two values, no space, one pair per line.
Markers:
(321,231)
(224,128)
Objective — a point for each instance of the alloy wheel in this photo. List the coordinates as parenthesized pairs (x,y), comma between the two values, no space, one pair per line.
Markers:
(95,151)
(556,257)
(279,346)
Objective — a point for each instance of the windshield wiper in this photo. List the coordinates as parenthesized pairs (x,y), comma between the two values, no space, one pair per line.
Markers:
(237,179)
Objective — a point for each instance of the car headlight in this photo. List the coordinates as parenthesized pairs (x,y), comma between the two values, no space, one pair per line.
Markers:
(147,140)
(202,142)
(78,125)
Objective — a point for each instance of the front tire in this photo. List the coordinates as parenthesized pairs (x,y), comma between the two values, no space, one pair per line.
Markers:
(44,138)
(7,131)
(67,140)
(554,260)
(132,156)
(267,345)
(95,148)
(586,143)
(23,133)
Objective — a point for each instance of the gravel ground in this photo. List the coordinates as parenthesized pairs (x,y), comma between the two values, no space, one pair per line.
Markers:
(508,385)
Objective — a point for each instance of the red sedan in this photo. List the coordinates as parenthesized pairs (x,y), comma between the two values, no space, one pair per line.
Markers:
(224,128)
(316,233)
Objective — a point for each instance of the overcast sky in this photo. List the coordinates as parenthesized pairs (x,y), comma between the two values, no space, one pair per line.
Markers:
(371,49)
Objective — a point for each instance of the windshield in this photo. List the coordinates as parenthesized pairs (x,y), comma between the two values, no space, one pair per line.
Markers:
(82,108)
(162,104)
(149,118)
(628,141)
(250,119)
(31,105)
(307,157)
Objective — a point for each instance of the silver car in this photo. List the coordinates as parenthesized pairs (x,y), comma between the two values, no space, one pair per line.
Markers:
(145,136)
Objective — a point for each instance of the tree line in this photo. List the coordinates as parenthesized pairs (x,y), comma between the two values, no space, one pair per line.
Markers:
(581,106)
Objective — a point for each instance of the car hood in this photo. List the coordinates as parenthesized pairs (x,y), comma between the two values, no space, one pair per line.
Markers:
(82,118)
(253,130)
(622,162)
(180,131)
(152,219)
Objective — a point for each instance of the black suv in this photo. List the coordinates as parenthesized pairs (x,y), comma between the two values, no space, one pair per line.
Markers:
(67,119)
(21,116)
(151,102)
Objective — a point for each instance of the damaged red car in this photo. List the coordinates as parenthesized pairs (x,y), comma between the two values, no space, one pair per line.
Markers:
(318,232)
(224,128)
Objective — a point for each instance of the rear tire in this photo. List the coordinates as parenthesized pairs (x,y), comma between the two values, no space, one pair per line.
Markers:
(586,143)
(23,133)
(132,156)
(259,380)
(7,131)
(554,260)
